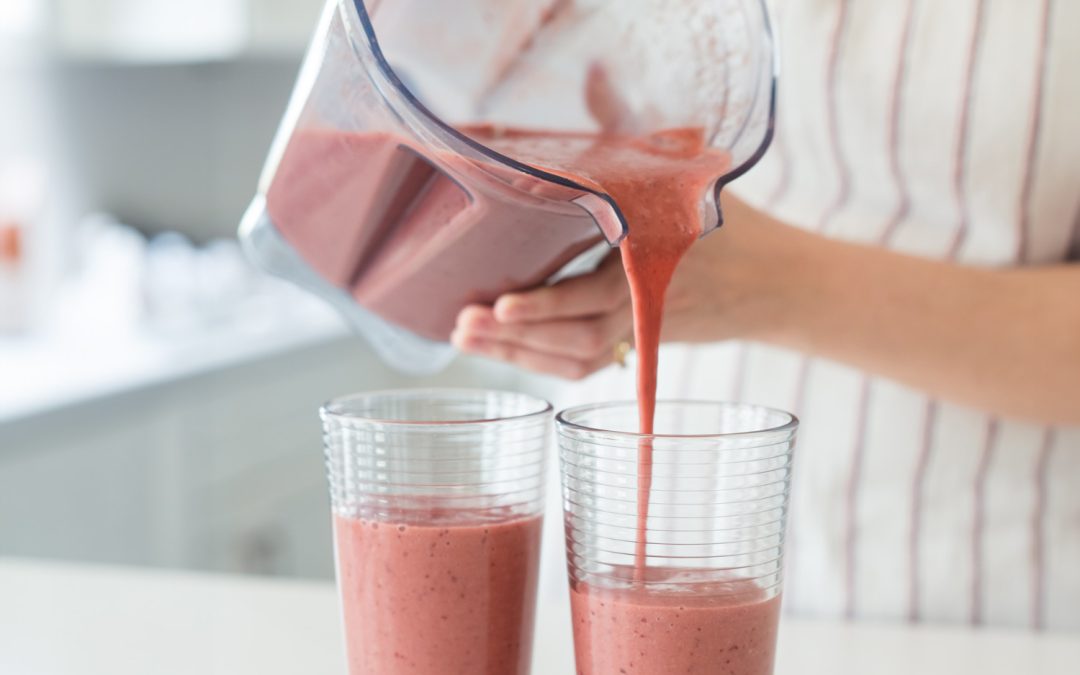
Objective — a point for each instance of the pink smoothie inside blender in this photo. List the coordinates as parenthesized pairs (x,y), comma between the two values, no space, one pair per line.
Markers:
(374,216)
(454,594)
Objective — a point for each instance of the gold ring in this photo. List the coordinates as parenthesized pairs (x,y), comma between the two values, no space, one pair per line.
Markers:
(622,350)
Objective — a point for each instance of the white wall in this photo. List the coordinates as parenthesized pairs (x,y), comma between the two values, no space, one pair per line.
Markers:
(173,146)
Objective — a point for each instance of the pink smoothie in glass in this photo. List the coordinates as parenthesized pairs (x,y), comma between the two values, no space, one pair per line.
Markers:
(453,596)
(635,631)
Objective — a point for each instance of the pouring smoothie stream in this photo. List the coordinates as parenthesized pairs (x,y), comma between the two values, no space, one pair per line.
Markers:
(660,183)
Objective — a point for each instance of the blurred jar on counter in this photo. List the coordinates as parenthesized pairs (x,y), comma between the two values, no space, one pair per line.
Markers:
(12,295)
(22,199)
(34,203)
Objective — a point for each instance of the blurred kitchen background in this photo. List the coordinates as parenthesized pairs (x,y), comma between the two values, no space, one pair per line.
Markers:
(157,395)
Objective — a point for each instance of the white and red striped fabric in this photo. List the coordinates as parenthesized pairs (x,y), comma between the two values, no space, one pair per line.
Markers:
(947,130)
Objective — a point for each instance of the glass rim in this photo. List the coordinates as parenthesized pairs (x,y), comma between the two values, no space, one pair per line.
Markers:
(791,422)
(334,408)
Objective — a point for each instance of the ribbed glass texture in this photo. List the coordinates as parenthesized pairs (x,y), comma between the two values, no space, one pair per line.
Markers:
(400,456)
(717,504)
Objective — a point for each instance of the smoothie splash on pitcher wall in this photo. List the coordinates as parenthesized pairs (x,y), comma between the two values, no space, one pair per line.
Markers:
(425,166)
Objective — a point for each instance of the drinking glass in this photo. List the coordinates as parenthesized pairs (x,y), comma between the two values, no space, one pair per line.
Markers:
(437,499)
(691,581)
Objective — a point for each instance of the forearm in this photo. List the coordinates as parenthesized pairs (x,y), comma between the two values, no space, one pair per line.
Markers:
(1003,340)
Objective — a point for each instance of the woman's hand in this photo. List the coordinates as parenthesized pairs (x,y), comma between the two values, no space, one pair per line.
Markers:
(1004,340)
(729,285)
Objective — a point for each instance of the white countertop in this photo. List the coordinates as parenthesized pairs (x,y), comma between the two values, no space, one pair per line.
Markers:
(64,620)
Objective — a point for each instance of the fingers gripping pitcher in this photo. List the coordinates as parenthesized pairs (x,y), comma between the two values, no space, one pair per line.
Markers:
(392,192)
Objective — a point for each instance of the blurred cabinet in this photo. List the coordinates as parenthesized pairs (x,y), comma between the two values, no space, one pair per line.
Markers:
(221,471)
(195,30)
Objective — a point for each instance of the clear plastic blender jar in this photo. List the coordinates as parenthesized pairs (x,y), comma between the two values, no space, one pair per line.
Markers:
(379,196)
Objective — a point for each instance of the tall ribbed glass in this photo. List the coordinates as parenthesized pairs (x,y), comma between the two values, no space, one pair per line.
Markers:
(437,500)
(702,594)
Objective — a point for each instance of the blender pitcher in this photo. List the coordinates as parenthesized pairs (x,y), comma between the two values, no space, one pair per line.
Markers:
(381,196)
